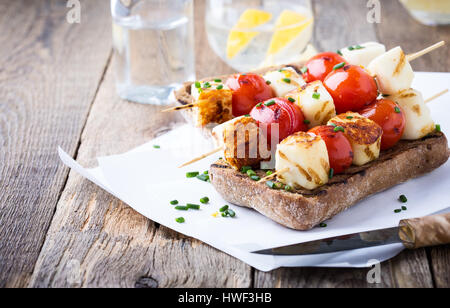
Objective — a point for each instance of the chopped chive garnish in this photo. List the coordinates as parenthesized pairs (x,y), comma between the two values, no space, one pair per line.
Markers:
(192,174)
(218,80)
(181,208)
(351,48)
(268,82)
(438,128)
(331,174)
(231,213)
(304,70)
(316,95)
(323,225)
(255,178)
(204,200)
(225,214)
(198,85)
(404,208)
(349,117)
(307,122)
(359,47)
(292,100)
(220,87)
(403,199)
(339,129)
(174,202)
(269,172)
(203,177)
(397,110)
(245,169)
(193,206)
(287,188)
(287,80)
(206,172)
(247,116)
(271,184)
(156,147)
(338,66)
(340,53)
(180,220)
(223,209)
(268,104)
(333,124)
(397,211)
(259,105)
(251,172)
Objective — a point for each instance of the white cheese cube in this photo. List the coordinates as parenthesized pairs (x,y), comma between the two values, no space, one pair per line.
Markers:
(393,71)
(218,131)
(316,103)
(364,136)
(284,81)
(306,156)
(418,117)
(363,54)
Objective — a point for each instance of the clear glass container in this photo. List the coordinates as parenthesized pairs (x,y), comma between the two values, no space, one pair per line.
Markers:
(429,12)
(154,48)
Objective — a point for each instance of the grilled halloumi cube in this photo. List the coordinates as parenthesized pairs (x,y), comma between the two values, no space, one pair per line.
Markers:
(393,71)
(315,102)
(284,81)
(364,136)
(207,86)
(363,54)
(418,117)
(306,156)
(218,131)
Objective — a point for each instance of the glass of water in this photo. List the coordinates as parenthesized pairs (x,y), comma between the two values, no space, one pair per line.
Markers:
(154,48)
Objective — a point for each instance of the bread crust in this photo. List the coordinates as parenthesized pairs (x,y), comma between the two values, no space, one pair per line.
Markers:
(303,209)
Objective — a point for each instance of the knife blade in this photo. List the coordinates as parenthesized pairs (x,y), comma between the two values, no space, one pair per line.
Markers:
(412,233)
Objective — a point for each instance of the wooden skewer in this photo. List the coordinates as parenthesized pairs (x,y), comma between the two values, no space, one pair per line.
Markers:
(201,157)
(436,96)
(273,175)
(188,106)
(423,52)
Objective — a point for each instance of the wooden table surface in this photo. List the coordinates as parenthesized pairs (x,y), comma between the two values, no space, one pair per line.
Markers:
(57,89)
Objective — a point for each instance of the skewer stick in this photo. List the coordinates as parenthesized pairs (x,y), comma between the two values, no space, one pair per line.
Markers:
(436,96)
(423,52)
(273,175)
(201,157)
(188,106)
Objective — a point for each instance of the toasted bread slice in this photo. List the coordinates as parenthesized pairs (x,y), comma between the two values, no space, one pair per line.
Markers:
(305,209)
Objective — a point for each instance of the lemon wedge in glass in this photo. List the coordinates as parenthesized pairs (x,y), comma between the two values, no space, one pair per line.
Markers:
(239,39)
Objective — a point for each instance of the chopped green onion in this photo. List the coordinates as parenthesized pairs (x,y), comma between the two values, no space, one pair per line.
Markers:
(206,85)
(192,174)
(438,128)
(359,47)
(349,117)
(218,80)
(397,211)
(204,200)
(269,172)
(323,225)
(156,147)
(225,214)
(206,172)
(259,105)
(288,188)
(331,174)
(180,220)
(223,209)
(307,122)
(338,66)
(351,48)
(272,184)
(203,177)
(193,206)
(251,172)
(287,80)
(292,100)
(304,70)
(268,82)
(316,95)
(198,85)
(181,208)
(247,116)
(403,199)
(404,208)
(268,104)
(231,213)
(245,169)
(174,202)
(340,53)
(255,178)
(397,110)
(339,129)
(333,124)
(220,87)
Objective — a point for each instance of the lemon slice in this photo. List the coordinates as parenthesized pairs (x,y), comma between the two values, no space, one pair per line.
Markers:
(286,30)
(238,40)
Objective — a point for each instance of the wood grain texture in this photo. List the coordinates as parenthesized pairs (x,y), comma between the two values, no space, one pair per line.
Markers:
(49,75)
(97,241)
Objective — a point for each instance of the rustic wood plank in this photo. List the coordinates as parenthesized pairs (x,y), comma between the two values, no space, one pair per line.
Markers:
(399,28)
(97,241)
(48,79)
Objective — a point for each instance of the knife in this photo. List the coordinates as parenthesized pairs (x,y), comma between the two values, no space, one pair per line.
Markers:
(412,233)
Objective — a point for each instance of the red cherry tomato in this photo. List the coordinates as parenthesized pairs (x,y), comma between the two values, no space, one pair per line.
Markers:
(287,115)
(390,117)
(352,88)
(321,65)
(339,148)
(248,90)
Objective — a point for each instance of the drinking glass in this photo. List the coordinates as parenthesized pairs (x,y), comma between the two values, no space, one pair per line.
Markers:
(248,34)
(429,12)
(154,48)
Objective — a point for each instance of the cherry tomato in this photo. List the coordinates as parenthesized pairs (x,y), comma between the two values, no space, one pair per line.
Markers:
(339,148)
(280,111)
(321,65)
(390,117)
(248,90)
(352,88)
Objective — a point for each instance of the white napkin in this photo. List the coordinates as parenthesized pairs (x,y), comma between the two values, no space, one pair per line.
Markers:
(147,179)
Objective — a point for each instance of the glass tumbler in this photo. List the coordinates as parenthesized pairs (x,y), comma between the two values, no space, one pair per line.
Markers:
(154,48)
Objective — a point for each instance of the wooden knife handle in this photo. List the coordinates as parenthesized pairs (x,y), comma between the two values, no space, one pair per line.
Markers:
(425,232)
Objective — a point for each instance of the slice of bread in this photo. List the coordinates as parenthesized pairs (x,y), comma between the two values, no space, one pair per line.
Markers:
(304,209)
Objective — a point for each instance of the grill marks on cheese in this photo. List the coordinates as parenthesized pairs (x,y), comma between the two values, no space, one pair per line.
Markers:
(401,64)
